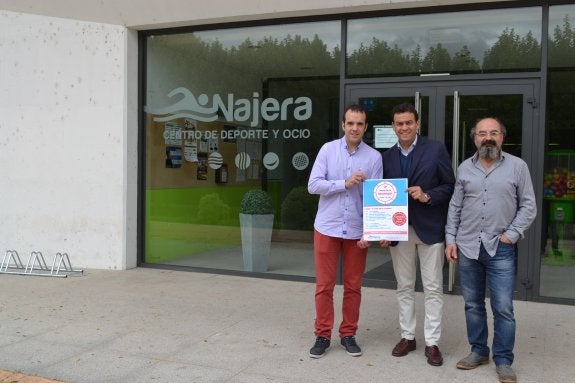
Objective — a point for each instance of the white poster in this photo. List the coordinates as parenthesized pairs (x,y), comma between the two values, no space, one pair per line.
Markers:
(385,213)
(191,151)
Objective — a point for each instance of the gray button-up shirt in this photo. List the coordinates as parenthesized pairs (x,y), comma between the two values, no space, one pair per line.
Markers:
(488,204)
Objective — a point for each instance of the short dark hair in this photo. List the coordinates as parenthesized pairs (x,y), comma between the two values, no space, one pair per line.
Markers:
(501,126)
(404,108)
(356,109)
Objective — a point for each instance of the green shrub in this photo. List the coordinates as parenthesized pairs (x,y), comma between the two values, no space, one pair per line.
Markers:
(212,209)
(299,209)
(257,201)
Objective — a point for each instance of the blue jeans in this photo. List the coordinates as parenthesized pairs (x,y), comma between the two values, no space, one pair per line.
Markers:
(499,273)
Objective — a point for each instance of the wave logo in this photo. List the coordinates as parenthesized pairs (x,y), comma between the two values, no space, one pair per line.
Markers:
(242,160)
(238,110)
(215,160)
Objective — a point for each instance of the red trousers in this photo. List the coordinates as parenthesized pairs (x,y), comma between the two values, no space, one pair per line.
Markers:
(327,252)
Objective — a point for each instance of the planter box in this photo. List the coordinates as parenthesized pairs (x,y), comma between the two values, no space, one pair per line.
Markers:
(256,232)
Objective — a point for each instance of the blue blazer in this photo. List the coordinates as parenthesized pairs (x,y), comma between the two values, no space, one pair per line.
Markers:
(431,170)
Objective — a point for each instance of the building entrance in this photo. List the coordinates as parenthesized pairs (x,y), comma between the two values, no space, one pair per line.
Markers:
(448,110)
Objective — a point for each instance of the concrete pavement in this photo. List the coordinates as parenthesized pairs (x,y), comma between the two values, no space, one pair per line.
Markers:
(154,325)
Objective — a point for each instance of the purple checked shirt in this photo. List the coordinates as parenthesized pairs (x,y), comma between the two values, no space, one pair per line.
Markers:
(340,210)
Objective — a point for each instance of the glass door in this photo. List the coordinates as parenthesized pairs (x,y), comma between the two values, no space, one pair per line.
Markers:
(378,100)
(448,110)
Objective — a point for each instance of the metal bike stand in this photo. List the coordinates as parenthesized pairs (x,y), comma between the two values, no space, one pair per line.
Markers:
(11,260)
(36,265)
(62,262)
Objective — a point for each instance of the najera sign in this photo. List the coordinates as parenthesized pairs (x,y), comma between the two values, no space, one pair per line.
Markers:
(233,109)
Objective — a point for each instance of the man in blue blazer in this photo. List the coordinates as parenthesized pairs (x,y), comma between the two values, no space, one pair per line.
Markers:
(427,166)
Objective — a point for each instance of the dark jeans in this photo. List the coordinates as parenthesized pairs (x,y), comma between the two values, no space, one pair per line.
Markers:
(499,273)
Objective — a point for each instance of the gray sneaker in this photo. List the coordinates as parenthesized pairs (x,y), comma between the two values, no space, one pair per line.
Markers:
(505,374)
(319,348)
(471,361)
(351,346)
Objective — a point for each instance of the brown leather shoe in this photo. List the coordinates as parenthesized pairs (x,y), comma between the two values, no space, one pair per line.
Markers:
(433,355)
(403,347)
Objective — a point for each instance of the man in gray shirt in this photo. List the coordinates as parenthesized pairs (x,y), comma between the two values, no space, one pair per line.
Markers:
(492,206)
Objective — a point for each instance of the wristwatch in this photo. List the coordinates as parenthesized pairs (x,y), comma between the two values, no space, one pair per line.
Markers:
(428,198)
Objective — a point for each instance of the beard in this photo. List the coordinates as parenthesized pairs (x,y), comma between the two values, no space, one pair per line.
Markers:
(489,150)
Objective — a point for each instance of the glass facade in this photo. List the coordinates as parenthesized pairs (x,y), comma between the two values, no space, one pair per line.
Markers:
(558,236)
(457,42)
(229,110)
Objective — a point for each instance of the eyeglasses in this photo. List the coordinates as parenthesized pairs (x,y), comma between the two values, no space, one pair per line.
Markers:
(493,133)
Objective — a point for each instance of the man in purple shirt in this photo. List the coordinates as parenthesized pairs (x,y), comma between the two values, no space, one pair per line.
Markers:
(337,175)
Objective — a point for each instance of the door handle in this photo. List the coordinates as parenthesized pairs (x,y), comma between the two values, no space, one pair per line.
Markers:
(454,164)
(418,108)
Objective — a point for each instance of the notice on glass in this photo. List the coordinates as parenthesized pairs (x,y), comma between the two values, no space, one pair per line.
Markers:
(384,137)
(385,214)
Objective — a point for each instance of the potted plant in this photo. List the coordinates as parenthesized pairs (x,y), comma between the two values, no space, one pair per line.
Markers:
(256,224)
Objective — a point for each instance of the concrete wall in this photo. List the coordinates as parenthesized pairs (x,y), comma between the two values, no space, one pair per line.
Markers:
(152,14)
(68,134)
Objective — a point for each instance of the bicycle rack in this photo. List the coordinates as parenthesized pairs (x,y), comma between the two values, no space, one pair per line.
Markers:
(11,256)
(36,265)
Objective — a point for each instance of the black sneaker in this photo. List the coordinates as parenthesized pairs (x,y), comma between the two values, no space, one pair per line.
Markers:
(319,348)
(350,346)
